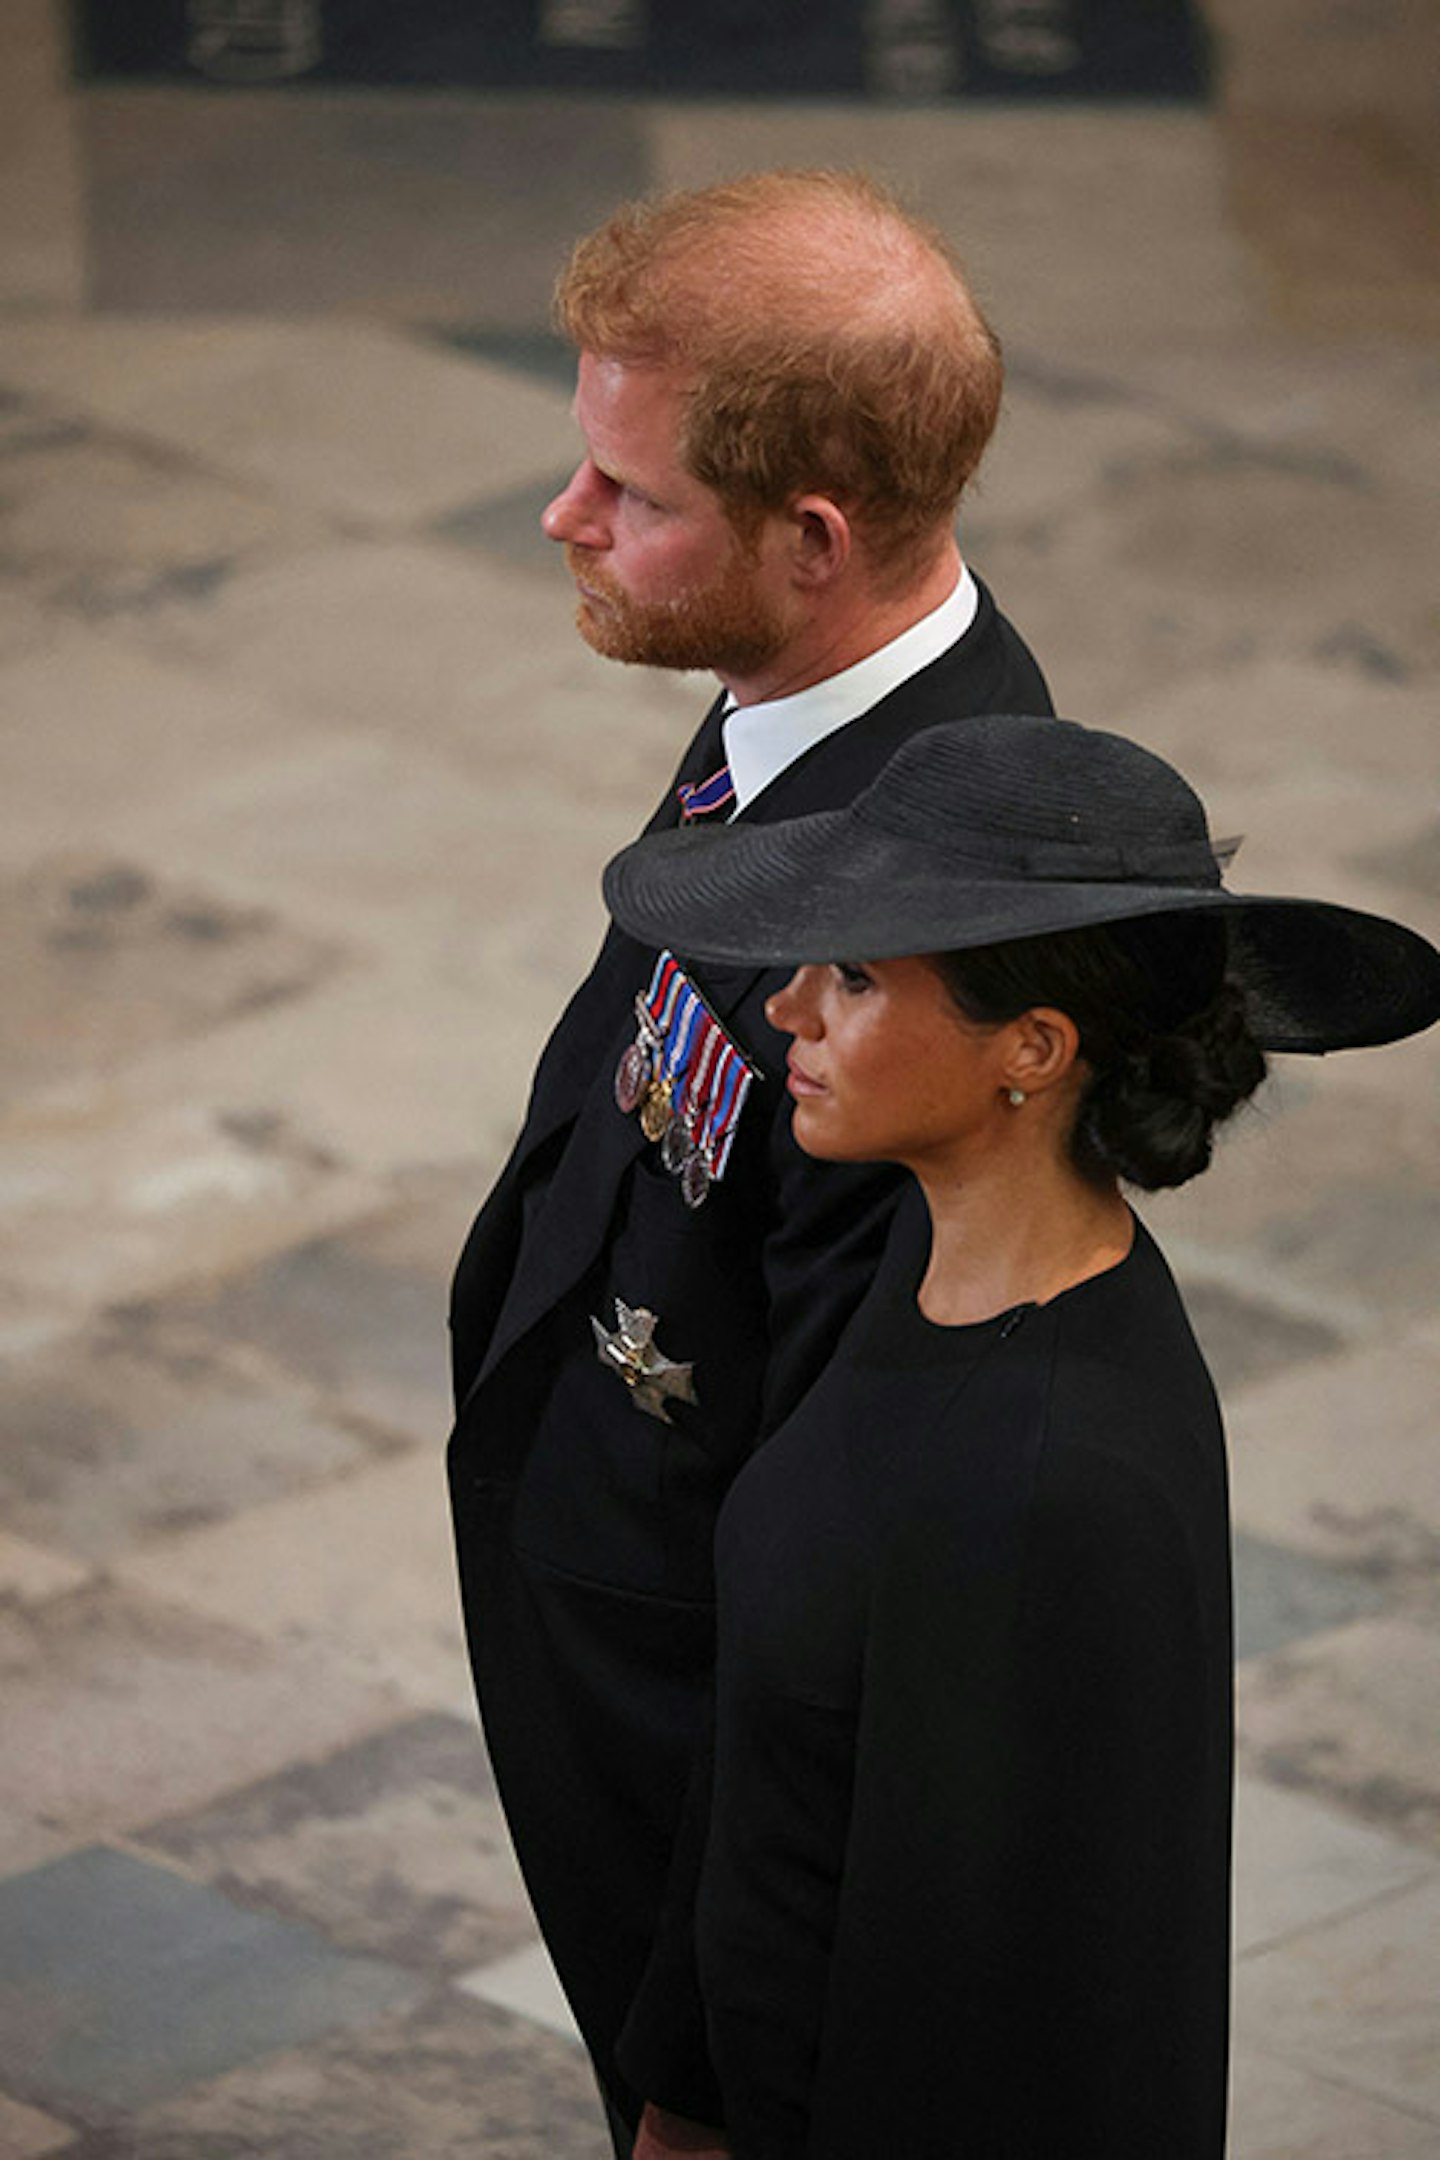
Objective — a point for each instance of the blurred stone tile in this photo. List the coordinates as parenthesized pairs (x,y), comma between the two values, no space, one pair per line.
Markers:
(287,1572)
(122,368)
(449,651)
(1307,58)
(1302,521)
(162,1709)
(104,525)
(29,1573)
(507,526)
(1245,1339)
(1280,2112)
(394,1847)
(1159,638)
(1023,192)
(1062,433)
(431,1209)
(1415,865)
(26,2134)
(28,1838)
(453,2080)
(1351,1718)
(1297,1864)
(394,853)
(1323,1136)
(1279,716)
(364,1328)
(526,1984)
(1327,831)
(118,1186)
(122,1982)
(102,958)
(372,201)
(144,1426)
(97,729)
(27,426)
(388,635)
(42,241)
(347,419)
(387,1072)
(1382,1239)
(25,626)
(1339,1460)
(1341,206)
(1355,2001)
(1362,654)
(1242,550)
(1281,1596)
(27,1321)
(1372,396)
(540,354)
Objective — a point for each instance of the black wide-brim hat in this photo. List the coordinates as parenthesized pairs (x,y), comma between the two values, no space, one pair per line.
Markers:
(987,829)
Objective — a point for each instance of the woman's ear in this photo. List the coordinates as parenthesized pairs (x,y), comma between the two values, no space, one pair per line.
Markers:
(1043,1050)
(820,539)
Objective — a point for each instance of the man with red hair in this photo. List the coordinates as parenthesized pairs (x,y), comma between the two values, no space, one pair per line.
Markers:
(784,385)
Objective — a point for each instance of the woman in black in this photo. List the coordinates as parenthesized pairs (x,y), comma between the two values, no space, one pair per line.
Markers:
(965,1889)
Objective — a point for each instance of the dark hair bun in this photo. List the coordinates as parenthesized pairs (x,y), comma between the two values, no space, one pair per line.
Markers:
(1150,1118)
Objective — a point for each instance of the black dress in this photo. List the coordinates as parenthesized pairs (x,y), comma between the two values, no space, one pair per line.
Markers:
(966,1888)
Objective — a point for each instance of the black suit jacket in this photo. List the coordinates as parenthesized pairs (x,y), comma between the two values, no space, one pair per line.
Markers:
(585,1529)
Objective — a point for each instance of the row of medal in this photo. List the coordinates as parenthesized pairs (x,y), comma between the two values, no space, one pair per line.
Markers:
(686,1078)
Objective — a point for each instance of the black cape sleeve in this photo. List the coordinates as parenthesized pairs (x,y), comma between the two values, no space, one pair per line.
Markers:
(1031,1948)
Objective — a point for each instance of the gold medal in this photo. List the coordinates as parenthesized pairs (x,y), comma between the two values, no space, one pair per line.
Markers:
(655,1110)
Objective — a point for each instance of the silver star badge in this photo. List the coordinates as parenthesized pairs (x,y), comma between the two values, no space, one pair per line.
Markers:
(630,1350)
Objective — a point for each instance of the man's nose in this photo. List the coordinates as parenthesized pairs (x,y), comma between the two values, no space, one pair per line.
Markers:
(576,514)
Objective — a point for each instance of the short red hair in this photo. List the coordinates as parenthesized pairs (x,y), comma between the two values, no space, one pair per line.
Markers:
(831,343)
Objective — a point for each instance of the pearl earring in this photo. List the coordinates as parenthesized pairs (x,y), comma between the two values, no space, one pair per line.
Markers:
(1016,1096)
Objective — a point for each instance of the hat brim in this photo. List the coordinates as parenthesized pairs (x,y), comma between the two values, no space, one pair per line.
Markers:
(825,887)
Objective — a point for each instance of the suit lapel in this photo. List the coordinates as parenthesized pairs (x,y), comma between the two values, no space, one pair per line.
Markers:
(599,1150)
(579,1066)
(622,967)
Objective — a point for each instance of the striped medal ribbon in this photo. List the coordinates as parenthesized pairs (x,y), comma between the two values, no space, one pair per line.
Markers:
(660,1110)
(686,1078)
(718,1119)
(702,798)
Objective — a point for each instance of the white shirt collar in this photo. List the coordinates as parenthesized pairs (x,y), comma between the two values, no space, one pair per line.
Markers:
(762,740)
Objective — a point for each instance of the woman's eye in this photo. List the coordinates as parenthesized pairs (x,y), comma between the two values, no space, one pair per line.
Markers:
(852,975)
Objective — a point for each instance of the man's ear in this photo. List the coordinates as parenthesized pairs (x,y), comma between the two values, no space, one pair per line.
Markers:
(821,540)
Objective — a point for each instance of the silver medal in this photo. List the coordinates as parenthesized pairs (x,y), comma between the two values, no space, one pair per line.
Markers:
(695,1179)
(675,1147)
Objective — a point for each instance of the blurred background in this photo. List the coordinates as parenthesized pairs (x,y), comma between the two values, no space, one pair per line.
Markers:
(305,785)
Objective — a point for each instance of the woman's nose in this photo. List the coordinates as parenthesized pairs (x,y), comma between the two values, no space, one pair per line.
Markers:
(791,1008)
(575,515)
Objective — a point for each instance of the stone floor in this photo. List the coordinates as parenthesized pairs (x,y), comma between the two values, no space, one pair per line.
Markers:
(301,814)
